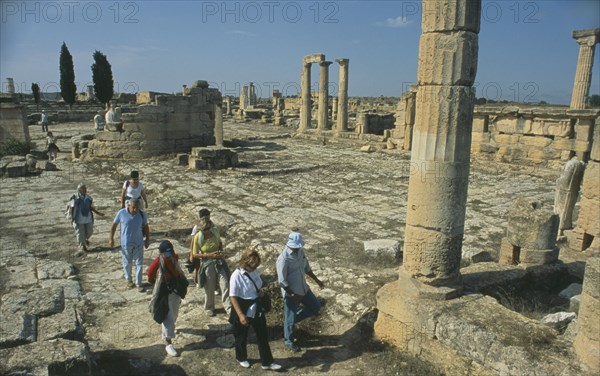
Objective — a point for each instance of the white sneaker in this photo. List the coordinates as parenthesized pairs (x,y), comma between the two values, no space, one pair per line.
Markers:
(272,366)
(171,350)
(245,364)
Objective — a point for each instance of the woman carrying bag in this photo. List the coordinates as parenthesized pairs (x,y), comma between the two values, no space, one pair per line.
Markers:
(163,271)
(244,290)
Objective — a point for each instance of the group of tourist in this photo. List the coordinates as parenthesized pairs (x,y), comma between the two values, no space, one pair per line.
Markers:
(240,290)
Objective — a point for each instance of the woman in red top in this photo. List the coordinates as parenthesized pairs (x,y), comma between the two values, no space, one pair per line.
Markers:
(158,275)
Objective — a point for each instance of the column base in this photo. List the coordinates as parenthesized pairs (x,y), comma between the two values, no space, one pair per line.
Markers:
(411,287)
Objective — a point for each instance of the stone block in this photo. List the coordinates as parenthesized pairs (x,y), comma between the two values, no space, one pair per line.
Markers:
(510,154)
(557,129)
(43,165)
(16,169)
(591,181)
(448,58)
(56,357)
(382,247)
(543,155)
(595,151)
(530,257)
(539,141)
(582,146)
(137,136)
(587,341)
(424,260)
(477,137)
(571,290)
(563,143)
(65,325)
(108,136)
(574,303)
(71,287)
(558,320)
(506,139)
(480,124)
(451,15)
(531,225)
(49,269)
(17,328)
(18,276)
(182,159)
(507,254)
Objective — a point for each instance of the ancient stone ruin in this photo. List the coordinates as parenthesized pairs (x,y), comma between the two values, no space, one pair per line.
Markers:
(170,124)
(530,236)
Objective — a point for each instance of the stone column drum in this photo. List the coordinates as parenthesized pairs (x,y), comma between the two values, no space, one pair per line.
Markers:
(587,40)
(342,110)
(587,341)
(437,190)
(322,117)
(218,124)
(567,191)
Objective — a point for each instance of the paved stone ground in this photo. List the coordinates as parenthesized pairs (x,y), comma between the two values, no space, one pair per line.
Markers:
(337,196)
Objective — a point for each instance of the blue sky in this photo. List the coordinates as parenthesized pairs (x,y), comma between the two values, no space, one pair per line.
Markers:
(526,52)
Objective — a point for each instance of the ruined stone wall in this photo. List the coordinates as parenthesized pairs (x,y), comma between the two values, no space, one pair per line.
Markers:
(545,136)
(170,125)
(369,123)
(586,234)
(13,122)
(145,97)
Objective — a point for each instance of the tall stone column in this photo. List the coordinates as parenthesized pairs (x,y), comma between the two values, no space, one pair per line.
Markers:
(9,86)
(342,110)
(244,98)
(587,40)
(437,189)
(334,108)
(305,110)
(322,117)
(218,125)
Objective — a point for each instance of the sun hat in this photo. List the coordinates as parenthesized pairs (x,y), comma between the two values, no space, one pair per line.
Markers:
(295,240)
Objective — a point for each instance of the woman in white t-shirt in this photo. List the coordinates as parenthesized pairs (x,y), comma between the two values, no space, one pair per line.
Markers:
(134,189)
(244,289)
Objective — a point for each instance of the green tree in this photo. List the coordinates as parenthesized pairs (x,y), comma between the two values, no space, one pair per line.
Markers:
(35,88)
(68,90)
(595,100)
(102,78)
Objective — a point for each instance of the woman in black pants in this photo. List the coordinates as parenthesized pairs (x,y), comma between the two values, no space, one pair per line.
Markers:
(244,289)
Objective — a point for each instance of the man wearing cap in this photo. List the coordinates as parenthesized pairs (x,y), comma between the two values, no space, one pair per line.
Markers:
(292,265)
(81,212)
(134,227)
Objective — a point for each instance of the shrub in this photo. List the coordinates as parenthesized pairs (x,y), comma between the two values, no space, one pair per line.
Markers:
(14,147)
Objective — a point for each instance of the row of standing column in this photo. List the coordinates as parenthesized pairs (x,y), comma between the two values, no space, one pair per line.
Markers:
(342,100)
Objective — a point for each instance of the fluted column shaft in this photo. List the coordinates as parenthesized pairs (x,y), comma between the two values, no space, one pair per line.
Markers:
(583,74)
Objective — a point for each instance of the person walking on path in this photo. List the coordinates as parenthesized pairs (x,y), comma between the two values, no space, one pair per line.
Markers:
(292,265)
(133,189)
(207,247)
(44,121)
(134,228)
(81,212)
(245,285)
(163,269)
(52,149)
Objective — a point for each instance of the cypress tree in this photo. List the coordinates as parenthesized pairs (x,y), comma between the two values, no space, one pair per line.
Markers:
(68,90)
(102,78)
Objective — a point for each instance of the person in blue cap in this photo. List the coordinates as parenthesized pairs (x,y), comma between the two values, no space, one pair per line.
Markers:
(164,268)
(292,266)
